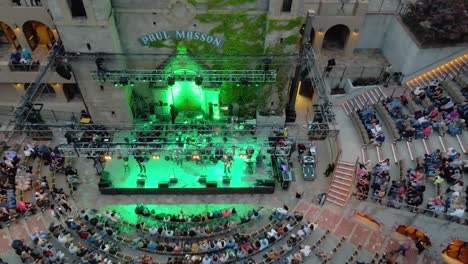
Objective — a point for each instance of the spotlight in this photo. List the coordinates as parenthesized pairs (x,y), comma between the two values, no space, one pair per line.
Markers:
(196,157)
(170,80)
(107,157)
(198,80)
(244,80)
(123,80)
(241,155)
(156,157)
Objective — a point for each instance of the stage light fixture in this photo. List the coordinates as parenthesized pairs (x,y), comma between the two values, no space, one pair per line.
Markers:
(123,80)
(170,80)
(107,157)
(241,155)
(198,80)
(156,157)
(196,157)
(244,80)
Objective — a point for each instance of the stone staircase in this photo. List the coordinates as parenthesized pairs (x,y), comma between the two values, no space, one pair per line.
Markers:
(342,183)
(446,71)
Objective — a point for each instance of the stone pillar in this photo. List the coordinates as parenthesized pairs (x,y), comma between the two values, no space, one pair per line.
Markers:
(351,43)
(274,8)
(19,87)
(318,40)
(21,38)
(59,94)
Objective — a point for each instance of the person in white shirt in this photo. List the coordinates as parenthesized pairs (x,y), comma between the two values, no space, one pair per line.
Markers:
(306,250)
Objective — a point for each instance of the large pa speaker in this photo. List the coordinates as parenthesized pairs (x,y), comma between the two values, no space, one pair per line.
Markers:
(211,184)
(63,71)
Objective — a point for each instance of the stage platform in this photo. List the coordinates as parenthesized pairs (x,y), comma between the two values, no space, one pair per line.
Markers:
(205,176)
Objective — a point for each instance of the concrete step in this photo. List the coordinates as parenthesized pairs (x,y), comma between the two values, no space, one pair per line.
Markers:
(338,194)
(335,186)
(345,169)
(344,174)
(335,201)
(345,163)
(347,179)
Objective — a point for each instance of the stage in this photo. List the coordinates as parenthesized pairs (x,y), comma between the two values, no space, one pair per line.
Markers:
(178,169)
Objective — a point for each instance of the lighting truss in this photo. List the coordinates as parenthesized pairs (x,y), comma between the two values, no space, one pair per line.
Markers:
(236,76)
(84,149)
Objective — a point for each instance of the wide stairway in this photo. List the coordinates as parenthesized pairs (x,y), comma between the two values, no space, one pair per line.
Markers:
(342,183)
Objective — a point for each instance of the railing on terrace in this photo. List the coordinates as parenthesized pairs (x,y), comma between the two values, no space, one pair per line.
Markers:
(356,72)
(24,67)
(337,9)
(419,210)
(26,3)
(388,6)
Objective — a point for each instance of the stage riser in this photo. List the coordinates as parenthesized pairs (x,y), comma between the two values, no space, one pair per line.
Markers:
(184,191)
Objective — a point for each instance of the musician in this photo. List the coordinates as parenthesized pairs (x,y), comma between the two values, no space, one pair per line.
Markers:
(227,161)
(125,165)
(178,157)
(250,151)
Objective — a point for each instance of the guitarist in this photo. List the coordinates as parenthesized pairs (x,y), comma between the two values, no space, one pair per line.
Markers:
(227,161)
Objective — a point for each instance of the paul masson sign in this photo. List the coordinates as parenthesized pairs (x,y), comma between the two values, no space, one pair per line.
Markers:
(180,34)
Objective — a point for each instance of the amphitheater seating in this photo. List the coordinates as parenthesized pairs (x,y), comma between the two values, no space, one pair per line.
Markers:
(388,120)
(361,129)
(462,79)
(454,90)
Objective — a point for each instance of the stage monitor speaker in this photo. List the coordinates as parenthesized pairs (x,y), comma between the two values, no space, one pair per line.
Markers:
(173,180)
(211,184)
(226,179)
(104,184)
(63,71)
(163,185)
(202,179)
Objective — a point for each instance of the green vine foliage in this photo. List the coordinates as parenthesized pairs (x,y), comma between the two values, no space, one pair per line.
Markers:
(242,33)
(211,4)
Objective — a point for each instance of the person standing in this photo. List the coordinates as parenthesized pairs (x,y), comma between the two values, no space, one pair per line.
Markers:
(386,75)
(404,246)
(331,63)
(227,161)
(174,113)
(419,245)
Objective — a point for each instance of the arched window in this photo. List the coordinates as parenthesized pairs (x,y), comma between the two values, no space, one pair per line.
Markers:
(336,37)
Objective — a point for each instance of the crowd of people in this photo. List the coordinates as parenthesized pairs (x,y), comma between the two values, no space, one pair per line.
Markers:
(447,169)
(373,126)
(183,218)
(444,115)
(22,60)
(98,229)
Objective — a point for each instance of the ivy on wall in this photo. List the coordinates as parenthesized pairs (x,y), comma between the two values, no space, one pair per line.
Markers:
(212,4)
(243,33)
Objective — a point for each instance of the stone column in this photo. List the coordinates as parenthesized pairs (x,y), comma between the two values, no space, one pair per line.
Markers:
(19,87)
(318,40)
(59,94)
(21,38)
(351,43)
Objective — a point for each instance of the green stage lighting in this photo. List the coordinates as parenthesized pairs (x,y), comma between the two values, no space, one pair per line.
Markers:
(199,117)
(216,117)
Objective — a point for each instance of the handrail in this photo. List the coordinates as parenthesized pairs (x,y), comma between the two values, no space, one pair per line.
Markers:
(414,209)
(409,76)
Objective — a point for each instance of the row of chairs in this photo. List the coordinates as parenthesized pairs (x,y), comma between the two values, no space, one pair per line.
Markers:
(360,126)
(351,260)
(388,120)
(453,88)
